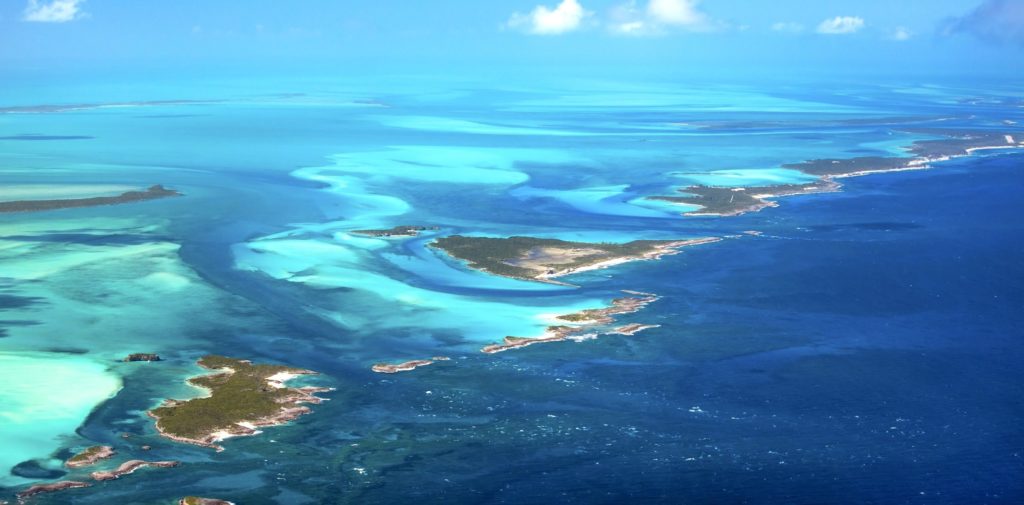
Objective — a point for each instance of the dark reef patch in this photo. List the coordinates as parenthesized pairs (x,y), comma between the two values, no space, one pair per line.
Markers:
(17,302)
(31,469)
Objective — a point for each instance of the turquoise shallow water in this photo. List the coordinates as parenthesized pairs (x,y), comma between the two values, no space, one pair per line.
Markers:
(750,381)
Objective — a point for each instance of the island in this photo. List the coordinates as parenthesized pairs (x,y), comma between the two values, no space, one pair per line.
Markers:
(131,466)
(406,366)
(195,500)
(52,108)
(632,328)
(152,193)
(588,324)
(50,488)
(142,356)
(543,259)
(397,231)
(90,456)
(733,201)
(242,397)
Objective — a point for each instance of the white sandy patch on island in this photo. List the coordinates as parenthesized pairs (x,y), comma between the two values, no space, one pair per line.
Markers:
(277,380)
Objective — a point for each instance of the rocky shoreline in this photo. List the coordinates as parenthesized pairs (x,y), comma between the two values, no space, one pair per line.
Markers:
(590,324)
(90,456)
(238,390)
(129,467)
(50,488)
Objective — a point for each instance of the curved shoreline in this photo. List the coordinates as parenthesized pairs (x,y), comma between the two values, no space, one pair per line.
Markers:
(263,387)
(589,323)
(828,170)
(90,456)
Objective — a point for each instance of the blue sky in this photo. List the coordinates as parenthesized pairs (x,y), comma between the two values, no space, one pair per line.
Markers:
(826,37)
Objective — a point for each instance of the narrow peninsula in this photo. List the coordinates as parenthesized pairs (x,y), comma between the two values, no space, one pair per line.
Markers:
(585,324)
(242,397)
(152,193)
(543,259)
(404,231)
(733,201)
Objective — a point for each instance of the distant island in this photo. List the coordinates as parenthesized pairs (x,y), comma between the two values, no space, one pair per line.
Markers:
(243,397)
(142,356)
(397,231)
(588,323)
(733,201)
(406,366)
(543,259)
(152,193)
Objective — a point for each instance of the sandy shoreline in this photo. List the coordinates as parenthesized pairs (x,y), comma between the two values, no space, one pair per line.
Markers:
(658,252)
(584,325)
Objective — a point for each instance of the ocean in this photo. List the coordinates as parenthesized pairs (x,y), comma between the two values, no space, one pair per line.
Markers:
(862,347)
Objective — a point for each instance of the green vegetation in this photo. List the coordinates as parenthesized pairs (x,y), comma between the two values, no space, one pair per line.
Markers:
(152,193)
(957,142)
(725,201)
(90,456)
(825,167)
(529,257)
(241,395)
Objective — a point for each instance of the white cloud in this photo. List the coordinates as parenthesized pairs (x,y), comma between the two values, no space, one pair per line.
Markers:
(901,33)
(565,17)
(56,11)
(676,12)
(841,25)
(657,17)
(788,27)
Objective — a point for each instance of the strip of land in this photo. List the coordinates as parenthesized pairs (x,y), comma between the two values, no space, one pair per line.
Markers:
(544,259)
(243,397)
(50,488)
(152,193)
(129,467)
(587,324)
(407,365)
(398,231)
(731,201)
